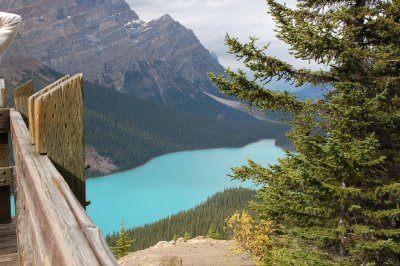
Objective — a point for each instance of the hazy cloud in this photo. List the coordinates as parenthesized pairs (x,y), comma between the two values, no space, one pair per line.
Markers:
(212,19)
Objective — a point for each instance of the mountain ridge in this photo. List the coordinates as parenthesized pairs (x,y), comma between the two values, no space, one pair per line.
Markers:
(160,60)
(127,131)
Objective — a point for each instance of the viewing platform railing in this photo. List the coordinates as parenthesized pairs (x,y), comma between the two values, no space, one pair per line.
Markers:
(48,179)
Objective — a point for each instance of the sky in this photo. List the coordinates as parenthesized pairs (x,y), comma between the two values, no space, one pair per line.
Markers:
(210,20)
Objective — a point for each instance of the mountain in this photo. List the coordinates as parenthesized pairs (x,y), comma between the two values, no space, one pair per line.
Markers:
(18,65)
(132,131)
(123,131)
(161,60)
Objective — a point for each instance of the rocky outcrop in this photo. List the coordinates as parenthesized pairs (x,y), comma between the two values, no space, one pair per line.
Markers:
(99,165)
(160,60)
(198,251)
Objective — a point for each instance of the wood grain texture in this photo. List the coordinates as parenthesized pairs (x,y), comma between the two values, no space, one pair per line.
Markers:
(5,191)
(22,217)
(52,226)
(9,260)
(31,109)
(59,132)
(8,239)
(2,94)
(21,95)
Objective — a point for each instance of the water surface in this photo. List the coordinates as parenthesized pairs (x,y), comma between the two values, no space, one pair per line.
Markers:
(169,184)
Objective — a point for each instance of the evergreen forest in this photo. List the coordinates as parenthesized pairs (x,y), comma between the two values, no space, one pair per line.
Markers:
(335,201)
(195,222)
(131,131)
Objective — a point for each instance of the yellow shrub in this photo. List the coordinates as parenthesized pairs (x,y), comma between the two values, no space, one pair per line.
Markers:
(249,235)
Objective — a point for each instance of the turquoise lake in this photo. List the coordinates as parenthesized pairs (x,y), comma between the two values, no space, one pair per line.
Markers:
(169,184)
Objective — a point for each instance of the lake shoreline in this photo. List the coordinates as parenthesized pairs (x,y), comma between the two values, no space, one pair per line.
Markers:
(171,183)
(169,153)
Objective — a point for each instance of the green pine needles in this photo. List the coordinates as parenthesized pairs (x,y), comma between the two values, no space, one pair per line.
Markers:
(336,201)
(123,244)
(213,232)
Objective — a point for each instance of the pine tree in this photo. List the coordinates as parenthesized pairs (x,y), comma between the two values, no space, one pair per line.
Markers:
(213,232)
(187,236)
(122,245)
(336,200)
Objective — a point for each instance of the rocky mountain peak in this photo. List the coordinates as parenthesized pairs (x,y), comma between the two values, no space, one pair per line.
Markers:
(161,60)
(165,18)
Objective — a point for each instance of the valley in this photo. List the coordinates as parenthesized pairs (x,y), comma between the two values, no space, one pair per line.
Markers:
(169,132)
(156,129)
(130,118)
(169,184)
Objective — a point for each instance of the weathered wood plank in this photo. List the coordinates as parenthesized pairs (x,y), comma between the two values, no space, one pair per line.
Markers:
(8,239)
(2,94)
(59,132)
(22,217)
(59,230)
(6,176)
(21,95)
(31,102)
(9,260)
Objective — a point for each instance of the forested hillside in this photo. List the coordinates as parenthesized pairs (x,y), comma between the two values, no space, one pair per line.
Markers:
(196,221)
(131,131)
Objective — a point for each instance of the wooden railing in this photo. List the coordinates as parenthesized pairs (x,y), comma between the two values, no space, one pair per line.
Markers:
(48,178)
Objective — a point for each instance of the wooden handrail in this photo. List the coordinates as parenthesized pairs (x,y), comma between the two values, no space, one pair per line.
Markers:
(48,178)
(52,226)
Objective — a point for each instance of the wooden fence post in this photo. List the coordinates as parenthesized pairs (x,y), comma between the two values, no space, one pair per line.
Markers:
(21,95)
(5,189)
(31,102)
(58,132)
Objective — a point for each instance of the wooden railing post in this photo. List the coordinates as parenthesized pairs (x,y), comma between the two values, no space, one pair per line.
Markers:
(5,189)
(31,104)
(58,131)
(21,95)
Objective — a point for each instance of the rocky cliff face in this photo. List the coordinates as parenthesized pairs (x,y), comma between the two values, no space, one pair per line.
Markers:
(72,36)
(160,60)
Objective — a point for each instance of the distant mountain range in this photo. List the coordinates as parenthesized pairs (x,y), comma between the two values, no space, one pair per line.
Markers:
(123,131)
(161,61)
(125,59)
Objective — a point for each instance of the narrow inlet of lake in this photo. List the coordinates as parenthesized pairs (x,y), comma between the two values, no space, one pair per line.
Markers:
(169,184)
